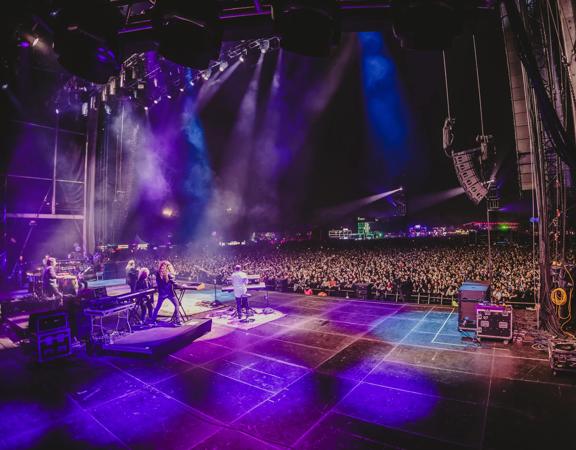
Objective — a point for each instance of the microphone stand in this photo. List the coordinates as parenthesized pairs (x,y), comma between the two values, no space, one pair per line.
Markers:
(215,303)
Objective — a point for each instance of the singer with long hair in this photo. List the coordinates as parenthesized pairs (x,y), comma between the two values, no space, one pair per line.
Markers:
(165,283)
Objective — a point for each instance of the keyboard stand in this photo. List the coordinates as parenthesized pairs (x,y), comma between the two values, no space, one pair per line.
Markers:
(180,298)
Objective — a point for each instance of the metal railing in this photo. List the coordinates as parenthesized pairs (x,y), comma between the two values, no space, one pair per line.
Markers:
(391,297)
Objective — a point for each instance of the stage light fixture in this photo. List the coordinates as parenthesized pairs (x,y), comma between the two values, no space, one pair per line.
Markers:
(223,66)
(264,46)
(35,41)
(206,74)
(191,82)
(427,24)
(189,33)
(85,38)
(5,86)
(307,27)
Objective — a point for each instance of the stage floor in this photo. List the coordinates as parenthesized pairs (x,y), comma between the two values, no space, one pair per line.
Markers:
(330,374)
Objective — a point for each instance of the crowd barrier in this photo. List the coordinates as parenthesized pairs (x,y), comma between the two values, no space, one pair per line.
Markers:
(390,297)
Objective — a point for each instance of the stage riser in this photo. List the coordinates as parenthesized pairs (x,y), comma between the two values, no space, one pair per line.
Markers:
(180,337)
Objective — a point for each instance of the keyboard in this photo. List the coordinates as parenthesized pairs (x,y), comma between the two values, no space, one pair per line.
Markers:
(251,287)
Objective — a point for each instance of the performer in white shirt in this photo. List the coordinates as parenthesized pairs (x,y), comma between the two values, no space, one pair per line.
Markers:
(240,285)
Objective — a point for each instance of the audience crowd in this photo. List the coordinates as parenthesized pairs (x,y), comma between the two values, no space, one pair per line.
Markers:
(407,269)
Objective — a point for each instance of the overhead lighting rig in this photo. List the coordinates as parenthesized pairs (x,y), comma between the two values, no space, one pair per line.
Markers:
(86,38)
(430,24)
(307,27)
(189,32)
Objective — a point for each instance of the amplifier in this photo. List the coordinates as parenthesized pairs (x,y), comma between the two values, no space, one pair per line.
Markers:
(474,290)
(494,321)
(470,294)
(53,345)
(48,321)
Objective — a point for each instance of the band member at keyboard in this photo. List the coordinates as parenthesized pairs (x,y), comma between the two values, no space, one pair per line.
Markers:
(50,281)
(165,284)
(240,285)
(145,302)
(131,275)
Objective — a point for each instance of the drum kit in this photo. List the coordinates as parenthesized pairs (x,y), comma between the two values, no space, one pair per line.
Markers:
(68,284)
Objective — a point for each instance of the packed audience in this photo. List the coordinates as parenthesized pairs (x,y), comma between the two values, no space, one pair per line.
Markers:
(407,269)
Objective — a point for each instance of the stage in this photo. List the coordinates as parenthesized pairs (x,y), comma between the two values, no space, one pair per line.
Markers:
(331,373)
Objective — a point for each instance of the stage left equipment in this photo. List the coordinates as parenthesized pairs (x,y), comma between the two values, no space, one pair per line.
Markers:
(103,330)
(494,322)
(470,294)
(51,334)
(562,355)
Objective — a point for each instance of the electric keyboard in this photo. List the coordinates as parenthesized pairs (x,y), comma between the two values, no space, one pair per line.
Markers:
(251,287)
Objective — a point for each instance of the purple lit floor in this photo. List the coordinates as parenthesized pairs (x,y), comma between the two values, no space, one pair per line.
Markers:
(331,374)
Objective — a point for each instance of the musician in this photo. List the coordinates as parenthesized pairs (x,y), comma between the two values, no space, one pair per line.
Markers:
(240,286)
(45,260)
(165,284)
(145,302)
(131,275)
(50,281)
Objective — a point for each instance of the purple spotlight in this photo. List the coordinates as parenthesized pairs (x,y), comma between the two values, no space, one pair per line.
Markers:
(24,44)
(57,111)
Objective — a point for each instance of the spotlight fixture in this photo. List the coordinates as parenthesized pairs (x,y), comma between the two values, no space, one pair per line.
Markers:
(206,74)
(427,24)
(35,41)
(188,32)
(307,27)
(85,38)
(223,66)
(4,86)
(264,45)
(191,82)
